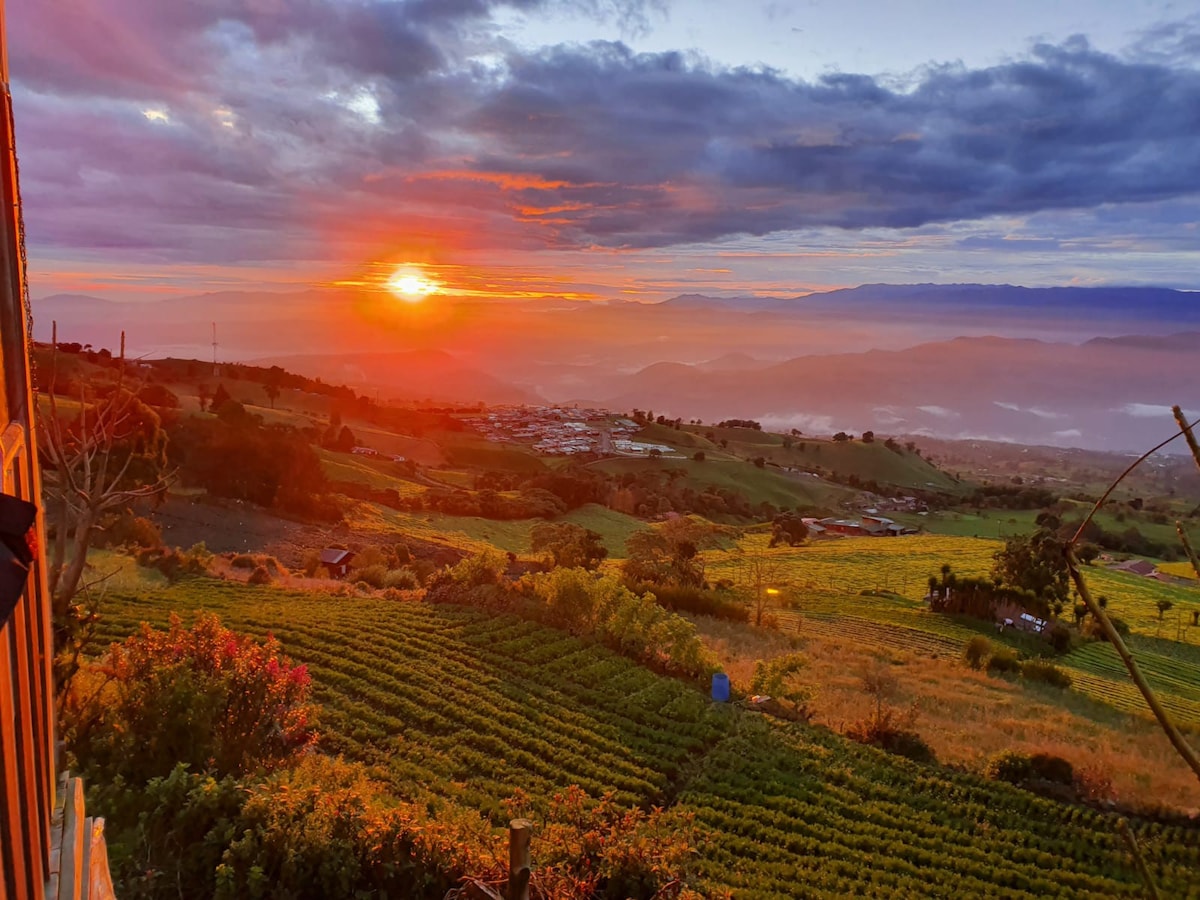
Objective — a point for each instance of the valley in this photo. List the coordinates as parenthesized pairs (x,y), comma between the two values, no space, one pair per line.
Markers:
(471,705)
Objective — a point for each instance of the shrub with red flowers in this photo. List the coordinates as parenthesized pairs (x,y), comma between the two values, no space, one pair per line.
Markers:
(205,696)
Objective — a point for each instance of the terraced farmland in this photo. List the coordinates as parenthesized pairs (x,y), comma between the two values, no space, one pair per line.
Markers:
(800,813)
(852,565)
(1098,671)
(473,707)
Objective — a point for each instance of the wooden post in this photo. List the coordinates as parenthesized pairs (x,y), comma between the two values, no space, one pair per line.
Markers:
(519,833)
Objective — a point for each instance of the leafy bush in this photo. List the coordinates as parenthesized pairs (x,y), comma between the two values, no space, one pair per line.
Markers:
(404,579)
(1091,628)
(977,652)
(679,598)
(173,832)
(891,731)
(473,581)
(636,626)
(325,830)
(777,678)
(599,849)
(174,564)
(243,561)
(128,530)
(1059,636)
(260,575)
(372,575)
(312,563)
(1040,670)
(1003,661)
(1010,766)
(203,696)
(1025,770)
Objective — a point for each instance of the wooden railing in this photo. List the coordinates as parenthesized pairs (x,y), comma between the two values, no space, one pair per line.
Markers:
(27,740)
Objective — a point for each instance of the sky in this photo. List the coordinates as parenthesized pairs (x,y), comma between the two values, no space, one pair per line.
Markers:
(605,149)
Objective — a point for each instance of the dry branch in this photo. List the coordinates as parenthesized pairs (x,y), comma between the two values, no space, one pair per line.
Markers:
(1114,637)
(1173,734)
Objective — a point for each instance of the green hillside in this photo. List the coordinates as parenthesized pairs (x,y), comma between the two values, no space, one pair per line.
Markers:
(474,707)
(757,485)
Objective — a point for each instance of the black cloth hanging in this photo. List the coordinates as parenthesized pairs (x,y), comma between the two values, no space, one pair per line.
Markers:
(16,556)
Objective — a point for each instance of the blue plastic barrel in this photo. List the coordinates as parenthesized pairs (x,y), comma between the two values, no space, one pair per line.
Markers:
(720,687)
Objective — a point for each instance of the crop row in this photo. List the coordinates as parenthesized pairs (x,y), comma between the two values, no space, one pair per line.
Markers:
(873,633)
(473,707)
(880,828)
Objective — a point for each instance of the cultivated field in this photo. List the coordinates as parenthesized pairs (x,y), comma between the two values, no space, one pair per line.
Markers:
(473,707)
(822,584)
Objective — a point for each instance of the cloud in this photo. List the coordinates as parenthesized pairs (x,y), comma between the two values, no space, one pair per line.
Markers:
(807,423)
(1154,411)
(261,148)
(940,411)
(1031,410)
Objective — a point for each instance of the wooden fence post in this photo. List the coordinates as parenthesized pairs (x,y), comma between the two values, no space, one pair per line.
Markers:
(519,833)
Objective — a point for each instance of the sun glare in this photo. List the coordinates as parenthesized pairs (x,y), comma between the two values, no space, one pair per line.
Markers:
(412,287)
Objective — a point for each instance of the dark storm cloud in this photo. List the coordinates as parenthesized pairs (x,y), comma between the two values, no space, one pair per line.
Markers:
(1067,128)
(282,115)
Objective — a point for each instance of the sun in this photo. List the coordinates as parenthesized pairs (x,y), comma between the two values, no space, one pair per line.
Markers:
(408,285)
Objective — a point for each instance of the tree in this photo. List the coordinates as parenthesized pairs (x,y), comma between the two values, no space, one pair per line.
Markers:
(668,554)
(345,440)
(219,397)
(778,679)
(95,463)
(760,576)
(204,395)
(1034,563)
(569,545)
(841,436)
(271,389)
(655,453)
(868,437)
(788,528)
(1164,606)
(759,462)
(698,456)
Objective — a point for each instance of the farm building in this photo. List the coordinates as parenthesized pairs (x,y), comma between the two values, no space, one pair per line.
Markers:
(873,526)
(842,526)
(337,561)
(1137,567)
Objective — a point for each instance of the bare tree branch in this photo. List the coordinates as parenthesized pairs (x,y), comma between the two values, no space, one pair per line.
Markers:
(91,467)
(1114,637)
(1182,747)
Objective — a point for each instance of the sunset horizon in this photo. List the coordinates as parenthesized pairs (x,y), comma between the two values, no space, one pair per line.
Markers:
(599,449)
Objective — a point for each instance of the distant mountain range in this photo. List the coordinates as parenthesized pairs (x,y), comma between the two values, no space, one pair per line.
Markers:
(1092,367)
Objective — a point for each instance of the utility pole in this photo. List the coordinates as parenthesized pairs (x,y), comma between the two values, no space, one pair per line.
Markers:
(216,370)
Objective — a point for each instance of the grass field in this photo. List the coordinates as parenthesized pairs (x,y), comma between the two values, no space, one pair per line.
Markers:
(373,472)
(475,535)
(870,462)
(1179,570)
(824,580)
(473,707)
